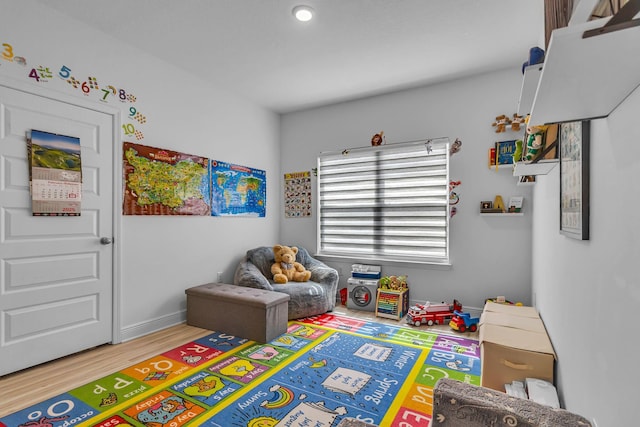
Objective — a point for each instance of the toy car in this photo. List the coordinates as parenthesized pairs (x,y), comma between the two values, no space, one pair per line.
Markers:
(463,321)
(432,313)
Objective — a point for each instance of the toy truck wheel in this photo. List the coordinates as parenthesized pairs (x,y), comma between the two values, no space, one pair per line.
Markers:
(462,328)
(430,322)
(417,323)
(473,328)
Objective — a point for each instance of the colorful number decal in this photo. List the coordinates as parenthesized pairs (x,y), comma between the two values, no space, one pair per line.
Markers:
(110,90)
(40,73)
(65,72)
(34,75)
(128,129)
(44,72)
(73,82)
(140,118)
(93,83)
(7,54)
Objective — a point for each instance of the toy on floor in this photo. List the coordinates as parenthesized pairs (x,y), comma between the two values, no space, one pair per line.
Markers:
(432,313)
(463,322)
(501,300)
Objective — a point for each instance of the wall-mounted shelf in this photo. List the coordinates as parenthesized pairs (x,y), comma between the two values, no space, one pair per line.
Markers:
(503,214)
(586,78)
(541,167)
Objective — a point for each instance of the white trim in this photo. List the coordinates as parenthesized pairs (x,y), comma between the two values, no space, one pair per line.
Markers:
(144,328)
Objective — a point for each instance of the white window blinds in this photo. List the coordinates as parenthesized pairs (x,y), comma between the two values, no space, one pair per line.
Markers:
(386,203)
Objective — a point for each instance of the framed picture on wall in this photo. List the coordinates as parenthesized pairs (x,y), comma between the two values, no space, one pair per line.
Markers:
(574,179)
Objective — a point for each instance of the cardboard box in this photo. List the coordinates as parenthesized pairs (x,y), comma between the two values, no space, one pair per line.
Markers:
(514,345)
(511,310)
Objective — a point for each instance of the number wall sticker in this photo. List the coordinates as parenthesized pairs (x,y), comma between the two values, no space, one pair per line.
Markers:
(88,87)
(7,52)
(34,75)
(109,91)
(129,129)
(65,72)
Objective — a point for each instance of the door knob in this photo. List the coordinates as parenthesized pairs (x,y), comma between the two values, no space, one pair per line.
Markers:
(106,240)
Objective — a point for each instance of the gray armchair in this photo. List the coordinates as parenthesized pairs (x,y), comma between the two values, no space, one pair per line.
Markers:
(317,296)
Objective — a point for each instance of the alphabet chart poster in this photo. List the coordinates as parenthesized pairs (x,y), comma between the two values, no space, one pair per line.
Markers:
(297,194)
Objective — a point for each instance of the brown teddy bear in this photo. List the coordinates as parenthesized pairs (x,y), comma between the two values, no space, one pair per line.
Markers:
(501,123)
(285,268)
(516,122)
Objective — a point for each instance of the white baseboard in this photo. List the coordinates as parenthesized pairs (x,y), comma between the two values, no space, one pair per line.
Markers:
(144,328)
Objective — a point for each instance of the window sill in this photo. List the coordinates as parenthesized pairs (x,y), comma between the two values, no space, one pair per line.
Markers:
(384,261)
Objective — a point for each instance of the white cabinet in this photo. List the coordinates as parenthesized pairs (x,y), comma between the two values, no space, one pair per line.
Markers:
(529,86)
(586,78)
(542,167)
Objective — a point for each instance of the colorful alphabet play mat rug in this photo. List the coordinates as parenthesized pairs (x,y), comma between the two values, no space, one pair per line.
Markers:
(325,371)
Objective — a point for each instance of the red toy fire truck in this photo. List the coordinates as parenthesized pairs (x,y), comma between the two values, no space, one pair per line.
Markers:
(432,313)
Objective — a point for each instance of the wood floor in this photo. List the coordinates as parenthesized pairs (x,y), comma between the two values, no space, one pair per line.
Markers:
(30,386)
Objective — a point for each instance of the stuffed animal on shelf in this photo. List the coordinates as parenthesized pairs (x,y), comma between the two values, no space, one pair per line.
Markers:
(516,122)
(535,141)
(501,123)
(285,268)
(396,283)
(517,155)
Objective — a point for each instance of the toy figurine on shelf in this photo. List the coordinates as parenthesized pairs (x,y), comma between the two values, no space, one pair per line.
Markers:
(501,123)
(535,140)
(516,122)
(455,147)
(395,283)
(377,139)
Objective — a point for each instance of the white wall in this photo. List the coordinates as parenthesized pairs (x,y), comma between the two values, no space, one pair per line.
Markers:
(161,256)
(490,256)
(588,292)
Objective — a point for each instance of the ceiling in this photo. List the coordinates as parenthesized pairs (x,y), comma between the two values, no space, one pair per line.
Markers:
(351,49)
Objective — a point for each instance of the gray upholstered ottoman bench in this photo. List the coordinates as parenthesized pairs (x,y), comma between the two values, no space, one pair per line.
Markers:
(257,314)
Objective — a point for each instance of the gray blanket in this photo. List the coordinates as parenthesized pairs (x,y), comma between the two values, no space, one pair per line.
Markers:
(457,404)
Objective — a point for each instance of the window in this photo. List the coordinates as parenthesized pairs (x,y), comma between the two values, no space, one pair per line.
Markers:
(386,203)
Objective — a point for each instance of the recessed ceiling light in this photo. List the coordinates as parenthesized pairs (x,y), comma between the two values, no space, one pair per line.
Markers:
(303,13)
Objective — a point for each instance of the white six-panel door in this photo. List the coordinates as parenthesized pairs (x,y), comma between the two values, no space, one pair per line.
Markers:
(56,276)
